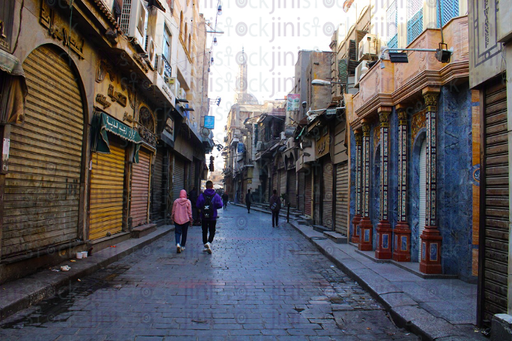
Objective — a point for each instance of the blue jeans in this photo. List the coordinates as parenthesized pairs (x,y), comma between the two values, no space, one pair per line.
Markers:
(180,232)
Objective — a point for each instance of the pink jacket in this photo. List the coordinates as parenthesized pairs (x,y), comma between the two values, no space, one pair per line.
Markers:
(182,209)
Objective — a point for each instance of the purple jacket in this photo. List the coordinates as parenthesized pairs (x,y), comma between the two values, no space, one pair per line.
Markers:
(216,201)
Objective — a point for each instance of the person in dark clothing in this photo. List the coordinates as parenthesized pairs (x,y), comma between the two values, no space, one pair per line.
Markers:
(248,200)
(192,195)
(208,203)
(225,198)
(275,206)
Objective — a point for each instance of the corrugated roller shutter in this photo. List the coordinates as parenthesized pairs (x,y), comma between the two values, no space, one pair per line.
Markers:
(140,190)
(308,195)
(496,220)
(292,192)
(157,188)
(107,189)
(42,188)
(342,196)
(302,189)
(178,177)
(327,194)
(317,196)
(282,182)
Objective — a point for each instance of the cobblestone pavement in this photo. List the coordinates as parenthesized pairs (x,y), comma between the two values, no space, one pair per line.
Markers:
(260,283)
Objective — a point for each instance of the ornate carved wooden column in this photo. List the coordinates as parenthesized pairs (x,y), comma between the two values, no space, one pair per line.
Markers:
(402,244)
(384,230)
(430,262)
(365,225)
(357,217)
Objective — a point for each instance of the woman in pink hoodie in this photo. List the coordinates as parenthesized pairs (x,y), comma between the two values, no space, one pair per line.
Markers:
(182,217)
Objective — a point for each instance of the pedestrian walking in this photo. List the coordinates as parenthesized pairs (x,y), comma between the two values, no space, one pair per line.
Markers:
(208,203)
(248,200)
(192,195)
(275,206)
(225,198)
(182,217)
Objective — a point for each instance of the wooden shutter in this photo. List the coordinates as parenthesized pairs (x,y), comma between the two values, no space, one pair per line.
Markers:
(342,198)
(140,190)
(42,188)
(496,202)
(107,190)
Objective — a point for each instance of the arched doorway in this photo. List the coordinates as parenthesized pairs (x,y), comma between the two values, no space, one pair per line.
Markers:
(42,189)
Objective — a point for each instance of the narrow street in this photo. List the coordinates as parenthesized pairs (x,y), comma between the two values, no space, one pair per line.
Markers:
(260,283)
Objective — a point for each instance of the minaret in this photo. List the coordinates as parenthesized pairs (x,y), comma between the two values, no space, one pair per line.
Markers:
(241,82)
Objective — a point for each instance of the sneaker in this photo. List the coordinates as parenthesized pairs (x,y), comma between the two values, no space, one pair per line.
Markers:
(205,248)
(182,248)
(208,248)
(178,248)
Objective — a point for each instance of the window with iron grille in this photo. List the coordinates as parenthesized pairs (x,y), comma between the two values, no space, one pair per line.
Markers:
(449,10)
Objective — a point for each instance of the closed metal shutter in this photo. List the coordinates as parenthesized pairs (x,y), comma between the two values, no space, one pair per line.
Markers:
(327,195)
(342,196)
(302,190)
(157,188)
(107,189)
(178,178)
(317,195)
(496,200)
(140,190)
(42,188)
(308,195)
(282,182)
(292,192)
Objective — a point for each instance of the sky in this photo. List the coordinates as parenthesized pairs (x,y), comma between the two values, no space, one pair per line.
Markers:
(271,32)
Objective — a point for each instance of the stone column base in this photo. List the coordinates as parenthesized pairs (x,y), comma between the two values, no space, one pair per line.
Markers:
(402,243)
(366,237)
(384,241)
(354,238)
(430,262)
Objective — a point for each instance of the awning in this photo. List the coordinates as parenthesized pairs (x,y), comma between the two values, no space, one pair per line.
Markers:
(103,123)
(14,89)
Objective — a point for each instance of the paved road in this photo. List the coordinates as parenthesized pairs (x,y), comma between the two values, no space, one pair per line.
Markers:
(260,283)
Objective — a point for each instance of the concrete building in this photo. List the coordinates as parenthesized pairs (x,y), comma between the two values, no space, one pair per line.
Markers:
(96,124)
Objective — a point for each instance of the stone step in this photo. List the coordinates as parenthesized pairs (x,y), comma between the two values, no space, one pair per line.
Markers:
(321,228)
(141,231)
(336,237)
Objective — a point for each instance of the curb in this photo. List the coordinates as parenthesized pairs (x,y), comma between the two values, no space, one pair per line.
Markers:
(30,290)
(410,315)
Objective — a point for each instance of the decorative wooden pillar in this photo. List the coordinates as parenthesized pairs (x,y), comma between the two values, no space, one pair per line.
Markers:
(402,247)
(384,230)
(365,225)
(430,262)
(357,217)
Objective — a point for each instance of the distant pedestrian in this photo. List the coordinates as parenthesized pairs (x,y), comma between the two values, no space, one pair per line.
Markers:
(275,206)
(248,200)
(182,217)
(208,203)
(225,198)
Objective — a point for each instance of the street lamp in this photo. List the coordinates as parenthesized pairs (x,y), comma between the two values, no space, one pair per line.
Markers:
(322,82)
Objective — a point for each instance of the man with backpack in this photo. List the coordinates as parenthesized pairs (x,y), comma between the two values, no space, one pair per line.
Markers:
(275,206)
(208,203)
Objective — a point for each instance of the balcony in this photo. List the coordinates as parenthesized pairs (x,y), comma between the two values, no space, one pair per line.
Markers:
(388,84)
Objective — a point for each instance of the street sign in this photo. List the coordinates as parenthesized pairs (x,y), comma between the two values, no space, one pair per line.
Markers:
(209,122)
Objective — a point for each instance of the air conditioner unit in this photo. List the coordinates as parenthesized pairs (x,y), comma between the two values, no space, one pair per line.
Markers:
(361,69)
(150,52)
(134,21)
(259,144)
(159,64)
(368,47)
